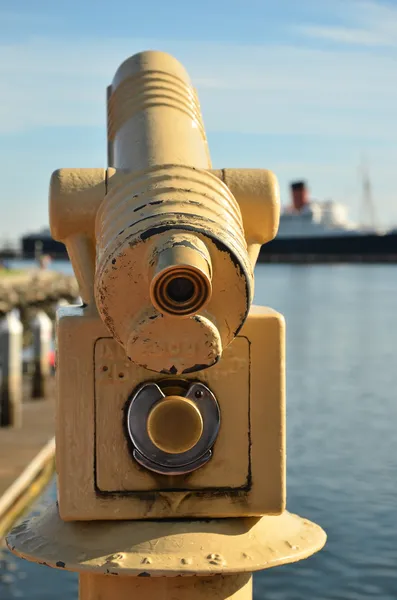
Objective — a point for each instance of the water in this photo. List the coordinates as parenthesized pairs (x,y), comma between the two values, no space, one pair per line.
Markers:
(342,436)
(63,266)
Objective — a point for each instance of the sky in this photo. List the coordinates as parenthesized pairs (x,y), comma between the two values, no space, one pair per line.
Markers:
(305,88)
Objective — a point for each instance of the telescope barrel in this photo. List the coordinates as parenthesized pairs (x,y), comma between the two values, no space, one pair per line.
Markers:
(154,117)
(169,233)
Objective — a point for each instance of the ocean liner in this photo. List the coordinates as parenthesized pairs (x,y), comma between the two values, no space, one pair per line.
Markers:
(312,231)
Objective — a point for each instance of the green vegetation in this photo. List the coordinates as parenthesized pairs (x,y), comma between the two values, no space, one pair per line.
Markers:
(7,273)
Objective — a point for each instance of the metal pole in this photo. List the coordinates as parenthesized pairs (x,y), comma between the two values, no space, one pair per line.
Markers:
(11,331)
(216,587)
(41,327)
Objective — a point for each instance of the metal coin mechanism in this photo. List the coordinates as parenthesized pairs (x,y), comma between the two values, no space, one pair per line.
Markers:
(173,434)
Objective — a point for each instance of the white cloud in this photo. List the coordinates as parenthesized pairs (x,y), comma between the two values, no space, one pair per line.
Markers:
(343,88)
(368,23)
(346,35)
(274,89)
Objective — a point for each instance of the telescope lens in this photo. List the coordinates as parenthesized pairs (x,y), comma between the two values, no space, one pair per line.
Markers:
(180,289)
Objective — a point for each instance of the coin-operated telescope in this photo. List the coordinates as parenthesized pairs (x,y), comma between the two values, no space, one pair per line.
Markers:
(171,385)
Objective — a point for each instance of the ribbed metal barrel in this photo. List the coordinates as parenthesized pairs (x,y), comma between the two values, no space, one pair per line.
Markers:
(154,115)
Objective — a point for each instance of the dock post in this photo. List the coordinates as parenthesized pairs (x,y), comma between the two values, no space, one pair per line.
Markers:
(41,327)
(170,435)
(11,333)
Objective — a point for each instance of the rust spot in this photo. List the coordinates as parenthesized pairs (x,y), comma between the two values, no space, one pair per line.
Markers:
(216,559)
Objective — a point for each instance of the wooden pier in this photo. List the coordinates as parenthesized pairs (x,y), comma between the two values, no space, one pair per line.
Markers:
(26,456)
(28,301)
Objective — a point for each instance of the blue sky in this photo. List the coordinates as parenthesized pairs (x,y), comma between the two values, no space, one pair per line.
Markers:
(303,87)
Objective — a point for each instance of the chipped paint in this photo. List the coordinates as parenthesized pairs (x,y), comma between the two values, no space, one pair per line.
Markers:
(114,311)
(161,206)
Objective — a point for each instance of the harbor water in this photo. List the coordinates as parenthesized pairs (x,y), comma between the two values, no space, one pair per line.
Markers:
(342,437)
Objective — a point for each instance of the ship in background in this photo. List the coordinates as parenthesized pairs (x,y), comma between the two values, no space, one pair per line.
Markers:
(34,245)
(316,232)
(309,232)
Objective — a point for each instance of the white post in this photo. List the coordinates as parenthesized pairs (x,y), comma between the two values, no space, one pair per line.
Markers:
(41,327)
(62,302)
(11,331)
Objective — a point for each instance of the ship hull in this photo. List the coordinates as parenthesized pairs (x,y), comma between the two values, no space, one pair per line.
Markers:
(328,249)
(355,248)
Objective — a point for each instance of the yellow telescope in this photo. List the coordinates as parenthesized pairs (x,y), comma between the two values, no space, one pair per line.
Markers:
(167,363)
(171,385)
(174,248)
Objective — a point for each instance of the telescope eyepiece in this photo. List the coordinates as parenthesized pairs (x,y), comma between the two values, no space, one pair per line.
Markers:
(180,291)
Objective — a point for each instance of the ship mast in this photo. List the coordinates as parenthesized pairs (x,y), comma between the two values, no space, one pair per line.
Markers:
(368,207)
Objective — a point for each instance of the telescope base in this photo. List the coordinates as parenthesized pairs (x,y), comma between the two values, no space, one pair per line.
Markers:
(166,548)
